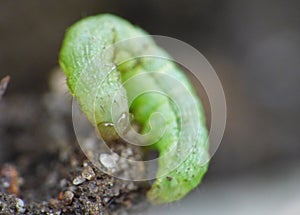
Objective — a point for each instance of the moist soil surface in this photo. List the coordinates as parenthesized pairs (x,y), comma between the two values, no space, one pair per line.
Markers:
(44,171)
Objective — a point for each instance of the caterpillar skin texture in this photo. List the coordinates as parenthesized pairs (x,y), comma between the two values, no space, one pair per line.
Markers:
(82,58)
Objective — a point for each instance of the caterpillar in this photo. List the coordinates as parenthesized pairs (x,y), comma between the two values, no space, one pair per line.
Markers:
(105,84)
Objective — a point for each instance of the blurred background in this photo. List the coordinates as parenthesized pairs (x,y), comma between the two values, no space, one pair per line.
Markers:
(254,47)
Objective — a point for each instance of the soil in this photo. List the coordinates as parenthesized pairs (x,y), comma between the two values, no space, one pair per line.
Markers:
(44,171)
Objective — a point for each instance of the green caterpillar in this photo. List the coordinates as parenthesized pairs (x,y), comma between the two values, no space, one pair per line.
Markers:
(96,74)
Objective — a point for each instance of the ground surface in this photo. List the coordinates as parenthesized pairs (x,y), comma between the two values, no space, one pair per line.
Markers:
(43,170)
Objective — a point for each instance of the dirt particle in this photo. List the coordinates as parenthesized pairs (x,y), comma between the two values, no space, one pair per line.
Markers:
(60,196)
(106,199)
(78,180)
(68,197)
(109,161)
(131,186)
(88,173)
(20,206)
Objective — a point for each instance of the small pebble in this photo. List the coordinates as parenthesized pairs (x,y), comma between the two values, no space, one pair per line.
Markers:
(85,164)
(88,173)
(68,197)
(130,186)
(20,206)
(127,153)
(109,161)
(106,199)
(78,180)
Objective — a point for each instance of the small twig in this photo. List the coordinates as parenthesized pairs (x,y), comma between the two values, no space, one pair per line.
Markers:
(3,85)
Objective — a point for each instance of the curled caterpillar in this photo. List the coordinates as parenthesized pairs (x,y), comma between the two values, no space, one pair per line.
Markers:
(105,84)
